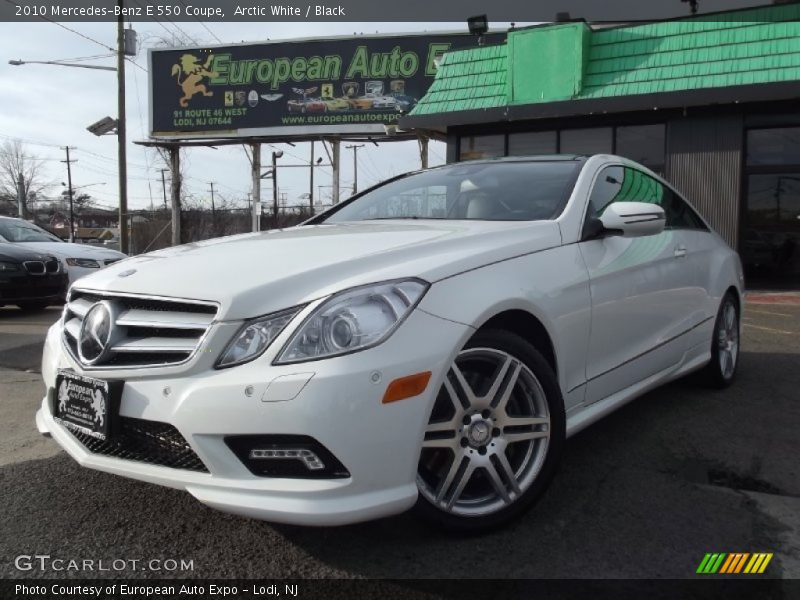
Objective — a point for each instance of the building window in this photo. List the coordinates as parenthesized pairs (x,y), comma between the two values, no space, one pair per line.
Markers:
(481,146)
(596,140)
(770,245)
(643,144)
(779,146)
(532,143)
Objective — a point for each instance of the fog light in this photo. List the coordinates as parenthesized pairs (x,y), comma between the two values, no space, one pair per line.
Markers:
(284,455)
(309,459)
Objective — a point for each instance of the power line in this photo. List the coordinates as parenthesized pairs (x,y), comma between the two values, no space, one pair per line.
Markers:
(164,27)
(203,24)
(86,37)
(135,64)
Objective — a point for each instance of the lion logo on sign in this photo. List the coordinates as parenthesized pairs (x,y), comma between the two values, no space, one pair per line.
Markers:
(194,73)
(63,397)
(99,408)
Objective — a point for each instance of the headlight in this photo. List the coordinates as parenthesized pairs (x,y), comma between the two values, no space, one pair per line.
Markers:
(353,320)
(255,337)
(86,263)
(8,266)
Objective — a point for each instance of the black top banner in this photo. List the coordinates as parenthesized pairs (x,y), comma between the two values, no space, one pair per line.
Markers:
(355,11)
(343,86)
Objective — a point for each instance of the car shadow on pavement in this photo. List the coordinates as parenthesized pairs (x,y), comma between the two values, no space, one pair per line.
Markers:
(630,500)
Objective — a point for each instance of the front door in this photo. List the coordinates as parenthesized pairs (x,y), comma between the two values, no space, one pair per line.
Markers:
(643,296)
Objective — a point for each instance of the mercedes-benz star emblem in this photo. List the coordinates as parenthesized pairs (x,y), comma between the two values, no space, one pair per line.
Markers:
(95,335)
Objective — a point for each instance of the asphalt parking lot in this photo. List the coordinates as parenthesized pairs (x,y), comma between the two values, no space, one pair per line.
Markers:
(644,493)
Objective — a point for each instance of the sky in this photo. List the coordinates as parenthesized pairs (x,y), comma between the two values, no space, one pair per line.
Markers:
(48,107)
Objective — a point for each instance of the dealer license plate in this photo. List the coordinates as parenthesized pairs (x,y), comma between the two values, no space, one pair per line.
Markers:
(86,404)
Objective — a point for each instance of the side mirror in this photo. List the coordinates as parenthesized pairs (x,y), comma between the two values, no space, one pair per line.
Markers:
(633,219)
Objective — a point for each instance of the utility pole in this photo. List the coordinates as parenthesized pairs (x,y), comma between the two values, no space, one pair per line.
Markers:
(354,148)
(164,186)
(275,188)
(69,193)
(175,167)
(423,150)
(256,173)
(121,137)
(311,182)
(21,195)
(213,210)
(335,147)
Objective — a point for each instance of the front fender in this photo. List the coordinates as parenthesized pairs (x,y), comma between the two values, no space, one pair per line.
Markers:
(551,285)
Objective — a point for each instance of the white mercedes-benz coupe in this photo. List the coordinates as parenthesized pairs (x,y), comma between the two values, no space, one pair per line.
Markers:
(431,341)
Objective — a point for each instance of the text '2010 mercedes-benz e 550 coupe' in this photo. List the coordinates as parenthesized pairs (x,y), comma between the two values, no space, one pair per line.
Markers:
(430,342)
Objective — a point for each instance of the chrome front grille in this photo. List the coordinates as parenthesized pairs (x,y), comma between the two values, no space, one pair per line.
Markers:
(146,332)
(34,267)
(42,267)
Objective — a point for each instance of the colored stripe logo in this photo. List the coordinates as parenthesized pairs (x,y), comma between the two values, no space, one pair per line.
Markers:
(734,563)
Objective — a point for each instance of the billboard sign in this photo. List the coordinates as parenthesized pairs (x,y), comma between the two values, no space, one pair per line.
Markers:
(354,85)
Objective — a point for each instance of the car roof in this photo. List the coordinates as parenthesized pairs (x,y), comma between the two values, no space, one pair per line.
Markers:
(530,158)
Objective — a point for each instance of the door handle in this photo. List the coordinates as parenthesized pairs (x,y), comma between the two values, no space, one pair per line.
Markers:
(680,251)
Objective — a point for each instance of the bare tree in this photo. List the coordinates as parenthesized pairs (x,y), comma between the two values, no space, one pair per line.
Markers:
(80,202)
(22,172)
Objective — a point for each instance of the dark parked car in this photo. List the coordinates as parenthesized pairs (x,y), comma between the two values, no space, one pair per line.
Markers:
(30,279)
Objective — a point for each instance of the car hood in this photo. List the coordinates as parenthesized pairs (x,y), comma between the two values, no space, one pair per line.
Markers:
(19,253)
(258,273)
(68,250)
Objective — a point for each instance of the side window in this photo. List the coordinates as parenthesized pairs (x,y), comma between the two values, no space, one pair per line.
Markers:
(606,187)
(623,184)
(680,215)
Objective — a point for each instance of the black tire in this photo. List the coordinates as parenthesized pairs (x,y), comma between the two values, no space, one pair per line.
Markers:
(525,353)
(713,374)
(33,306)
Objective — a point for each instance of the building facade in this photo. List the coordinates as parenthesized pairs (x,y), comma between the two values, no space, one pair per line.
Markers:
(712,103)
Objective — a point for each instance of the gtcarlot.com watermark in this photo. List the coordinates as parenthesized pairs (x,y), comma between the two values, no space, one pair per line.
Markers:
(48,563)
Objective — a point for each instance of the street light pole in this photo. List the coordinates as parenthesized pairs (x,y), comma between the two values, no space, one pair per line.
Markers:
(121,137)
(18,63)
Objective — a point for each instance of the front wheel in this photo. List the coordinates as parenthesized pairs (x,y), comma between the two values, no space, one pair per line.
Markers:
(494,436)
(720,372)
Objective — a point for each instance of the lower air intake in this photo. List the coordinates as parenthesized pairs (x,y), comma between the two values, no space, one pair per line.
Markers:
(144,441)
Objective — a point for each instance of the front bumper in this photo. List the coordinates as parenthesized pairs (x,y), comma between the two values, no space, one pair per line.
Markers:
(24,287)
(336,401)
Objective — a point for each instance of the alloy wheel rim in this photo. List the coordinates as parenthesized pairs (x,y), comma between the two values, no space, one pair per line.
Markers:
(728,340)
(488,435)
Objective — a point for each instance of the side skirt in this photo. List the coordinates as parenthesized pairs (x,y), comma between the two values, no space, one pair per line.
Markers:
(583,416)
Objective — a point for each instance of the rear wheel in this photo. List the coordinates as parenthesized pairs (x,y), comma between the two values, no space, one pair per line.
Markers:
(494,436)
(721,371)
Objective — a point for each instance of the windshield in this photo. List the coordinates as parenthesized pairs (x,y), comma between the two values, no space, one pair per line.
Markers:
(20,231)
(500,191)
